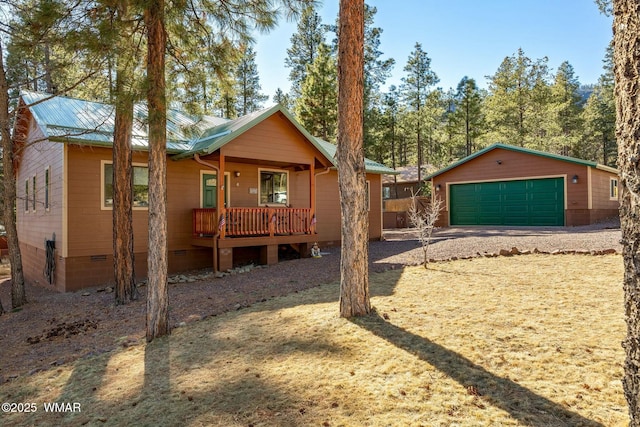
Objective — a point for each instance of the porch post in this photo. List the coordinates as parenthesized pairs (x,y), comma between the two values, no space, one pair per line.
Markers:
(220,198)
(312,195)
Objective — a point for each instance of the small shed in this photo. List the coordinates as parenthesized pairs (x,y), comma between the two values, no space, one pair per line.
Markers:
(516,186)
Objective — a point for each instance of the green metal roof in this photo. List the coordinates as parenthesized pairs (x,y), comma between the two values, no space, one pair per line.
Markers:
(85,122)
(521,150)
(73,120)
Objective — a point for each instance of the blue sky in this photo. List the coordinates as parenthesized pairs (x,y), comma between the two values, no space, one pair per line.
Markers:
(465,37)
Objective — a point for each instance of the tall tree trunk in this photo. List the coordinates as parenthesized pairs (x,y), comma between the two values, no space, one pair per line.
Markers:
(626,30)
(354,267)
(18,296)
(158,296)
(123,255)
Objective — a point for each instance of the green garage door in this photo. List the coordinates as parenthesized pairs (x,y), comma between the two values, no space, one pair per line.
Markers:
(526,202)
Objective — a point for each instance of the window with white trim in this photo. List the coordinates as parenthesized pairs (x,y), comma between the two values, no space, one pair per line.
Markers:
(274,187)
(613,188)
(140,186)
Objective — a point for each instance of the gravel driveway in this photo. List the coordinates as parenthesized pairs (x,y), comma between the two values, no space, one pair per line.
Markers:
(401,246)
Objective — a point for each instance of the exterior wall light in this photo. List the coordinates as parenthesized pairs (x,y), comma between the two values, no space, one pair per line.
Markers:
(499,162)
(574,179)
(438,187)
(237,174)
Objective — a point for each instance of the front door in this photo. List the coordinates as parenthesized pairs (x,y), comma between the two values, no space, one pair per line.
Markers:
(210,190)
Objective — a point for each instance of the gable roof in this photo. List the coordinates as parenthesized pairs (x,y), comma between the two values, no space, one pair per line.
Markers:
(525,151)
(216,137)
(73,120)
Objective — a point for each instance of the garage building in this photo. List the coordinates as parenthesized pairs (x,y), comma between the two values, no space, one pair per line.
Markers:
(515,186)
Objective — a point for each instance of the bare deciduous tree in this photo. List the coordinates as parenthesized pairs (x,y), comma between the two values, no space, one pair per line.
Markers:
(424,218)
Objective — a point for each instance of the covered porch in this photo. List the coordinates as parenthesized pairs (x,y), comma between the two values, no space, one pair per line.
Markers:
(259,206)
(257,187)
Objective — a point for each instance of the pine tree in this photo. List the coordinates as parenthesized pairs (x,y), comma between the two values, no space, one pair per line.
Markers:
(376,72)
(432,122)
(125,95)
(157,255)
(354,275)
(599,116)
(566,105)
(53,47)
(516,106)
(626,38)
(391,102)
(248,98)
(305,43)
(453,134)
(237,16)
(468,114)
(316,109)
(18,295)
(282,98)
(35,30)
(420,77)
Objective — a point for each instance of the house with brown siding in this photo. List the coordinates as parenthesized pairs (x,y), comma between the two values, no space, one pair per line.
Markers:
(237,190)
(508,185)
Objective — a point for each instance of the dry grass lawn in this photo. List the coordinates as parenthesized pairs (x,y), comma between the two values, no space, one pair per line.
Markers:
(529,340)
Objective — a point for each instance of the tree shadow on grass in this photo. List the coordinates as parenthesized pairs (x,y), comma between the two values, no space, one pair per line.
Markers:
(157,370)
(167,400)
(81,388)
(521,403)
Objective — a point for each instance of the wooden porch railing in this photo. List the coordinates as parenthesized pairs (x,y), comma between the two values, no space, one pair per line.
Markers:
(246,222)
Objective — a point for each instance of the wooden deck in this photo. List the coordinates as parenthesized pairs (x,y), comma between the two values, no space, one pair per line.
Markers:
(263,227)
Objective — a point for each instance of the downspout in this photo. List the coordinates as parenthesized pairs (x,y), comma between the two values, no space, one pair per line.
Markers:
(324,172)
(197,158)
